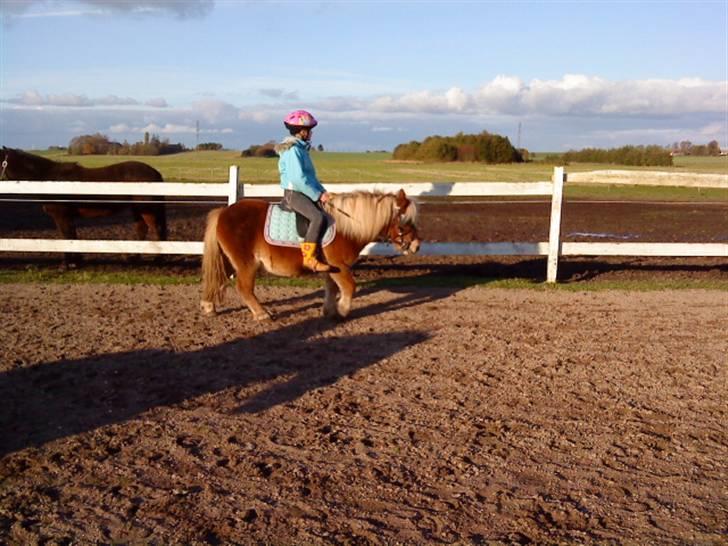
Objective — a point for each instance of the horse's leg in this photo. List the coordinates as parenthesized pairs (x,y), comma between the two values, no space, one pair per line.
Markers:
(140,225)
(245,285)
(155,222)
(344,281)
(331,296)
(64,223)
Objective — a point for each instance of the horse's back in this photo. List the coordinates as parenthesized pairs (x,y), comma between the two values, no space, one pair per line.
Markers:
(126,171)
(245,216)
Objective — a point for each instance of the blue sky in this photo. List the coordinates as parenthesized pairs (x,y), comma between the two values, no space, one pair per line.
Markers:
(376,74)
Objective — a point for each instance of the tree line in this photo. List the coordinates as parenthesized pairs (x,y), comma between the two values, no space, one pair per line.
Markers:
(98,144)
(686,147)
(267,150)
(640,156)
(483,147)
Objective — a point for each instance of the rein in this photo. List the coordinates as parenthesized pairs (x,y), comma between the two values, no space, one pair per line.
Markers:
(342,212)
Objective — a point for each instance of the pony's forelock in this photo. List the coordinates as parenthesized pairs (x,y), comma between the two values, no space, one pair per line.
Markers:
(409,215)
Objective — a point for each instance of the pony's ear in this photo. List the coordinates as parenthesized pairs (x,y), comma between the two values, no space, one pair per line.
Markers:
(402,200)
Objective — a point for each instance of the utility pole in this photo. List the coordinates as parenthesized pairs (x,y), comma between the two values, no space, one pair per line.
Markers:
(518,142)
(197,134)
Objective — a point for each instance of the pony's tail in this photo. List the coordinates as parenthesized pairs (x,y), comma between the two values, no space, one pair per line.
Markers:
(214,272)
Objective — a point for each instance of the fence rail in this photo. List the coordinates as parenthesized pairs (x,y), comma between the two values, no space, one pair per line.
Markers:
(234,190)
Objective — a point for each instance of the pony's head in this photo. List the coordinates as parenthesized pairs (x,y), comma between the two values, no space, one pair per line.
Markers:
(402,229)
(365,217)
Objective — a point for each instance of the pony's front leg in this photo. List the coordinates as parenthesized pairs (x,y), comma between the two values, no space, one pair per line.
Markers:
(342,282)
(331,296)
(62,217)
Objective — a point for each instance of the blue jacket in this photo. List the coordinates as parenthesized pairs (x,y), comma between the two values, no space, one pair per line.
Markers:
(296,168)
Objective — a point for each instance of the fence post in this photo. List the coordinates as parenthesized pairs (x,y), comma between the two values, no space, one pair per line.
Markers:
(235,189)
(557,198)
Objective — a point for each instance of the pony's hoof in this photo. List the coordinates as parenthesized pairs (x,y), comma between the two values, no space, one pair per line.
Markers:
(208,308)
(263,316)
(332,314)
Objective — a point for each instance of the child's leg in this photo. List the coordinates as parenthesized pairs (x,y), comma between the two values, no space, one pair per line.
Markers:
(304,206)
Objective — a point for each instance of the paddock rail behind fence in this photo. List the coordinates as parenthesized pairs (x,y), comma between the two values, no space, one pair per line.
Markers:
(234,190)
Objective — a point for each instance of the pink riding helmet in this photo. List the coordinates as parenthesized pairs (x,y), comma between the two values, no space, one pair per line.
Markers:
(300,118)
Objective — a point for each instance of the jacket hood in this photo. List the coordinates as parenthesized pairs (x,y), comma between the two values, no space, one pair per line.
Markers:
(288,143)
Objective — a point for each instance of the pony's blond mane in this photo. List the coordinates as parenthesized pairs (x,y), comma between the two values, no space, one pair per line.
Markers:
(361,216)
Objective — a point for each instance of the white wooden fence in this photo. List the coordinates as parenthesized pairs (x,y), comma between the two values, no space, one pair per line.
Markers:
(234,190)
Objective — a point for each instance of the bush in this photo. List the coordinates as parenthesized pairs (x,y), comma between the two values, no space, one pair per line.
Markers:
(260,150)
(640,156)
(406,151)
(209,146)
(483,147)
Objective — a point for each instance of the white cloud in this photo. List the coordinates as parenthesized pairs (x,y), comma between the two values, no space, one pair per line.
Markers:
(576,109)
(279,94)
(716,130)
(181,9)
(571,95)
(157,103)
(214,110)
(35,99)
(166,129)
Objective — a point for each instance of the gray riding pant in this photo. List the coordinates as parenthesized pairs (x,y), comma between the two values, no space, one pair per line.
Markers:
(300,203)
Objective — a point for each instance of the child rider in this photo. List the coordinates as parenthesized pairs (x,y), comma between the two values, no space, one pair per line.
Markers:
(302,191)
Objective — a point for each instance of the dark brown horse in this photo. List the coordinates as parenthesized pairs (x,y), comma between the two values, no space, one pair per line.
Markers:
(235,243)
(148,216)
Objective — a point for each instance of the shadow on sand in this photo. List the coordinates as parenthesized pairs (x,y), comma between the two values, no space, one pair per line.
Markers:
(53,400)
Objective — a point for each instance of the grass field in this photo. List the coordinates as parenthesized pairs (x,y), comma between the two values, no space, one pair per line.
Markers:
(53,276)
(337,167)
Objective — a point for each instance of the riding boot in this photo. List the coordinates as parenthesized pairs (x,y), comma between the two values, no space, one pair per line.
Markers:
(310,261)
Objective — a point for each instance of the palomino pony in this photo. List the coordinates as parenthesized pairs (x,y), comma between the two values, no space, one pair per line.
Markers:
(19,165)
(234,242)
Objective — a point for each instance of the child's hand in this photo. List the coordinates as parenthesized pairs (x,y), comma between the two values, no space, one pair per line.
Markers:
(324,197)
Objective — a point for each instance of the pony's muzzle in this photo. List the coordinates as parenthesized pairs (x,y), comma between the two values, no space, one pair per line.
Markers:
(413,247)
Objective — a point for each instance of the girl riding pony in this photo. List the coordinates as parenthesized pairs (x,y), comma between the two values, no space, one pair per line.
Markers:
(302,191)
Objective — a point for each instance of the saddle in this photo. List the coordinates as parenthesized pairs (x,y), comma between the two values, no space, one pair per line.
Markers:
(284,227)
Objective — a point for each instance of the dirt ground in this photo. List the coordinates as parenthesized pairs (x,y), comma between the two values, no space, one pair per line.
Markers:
(431,416)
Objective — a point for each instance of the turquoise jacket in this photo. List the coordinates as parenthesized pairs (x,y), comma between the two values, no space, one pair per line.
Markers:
(296,168)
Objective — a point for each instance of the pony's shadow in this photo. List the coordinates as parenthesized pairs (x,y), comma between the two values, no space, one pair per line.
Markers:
(54,400)
(409,294)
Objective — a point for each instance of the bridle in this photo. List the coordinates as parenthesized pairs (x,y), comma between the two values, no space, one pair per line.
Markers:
(4,167)
(403,228)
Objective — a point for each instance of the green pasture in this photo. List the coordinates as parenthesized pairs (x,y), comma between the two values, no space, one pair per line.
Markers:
(53,276)
(378,167)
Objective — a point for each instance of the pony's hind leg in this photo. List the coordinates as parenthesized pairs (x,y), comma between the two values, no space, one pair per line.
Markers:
(245,285)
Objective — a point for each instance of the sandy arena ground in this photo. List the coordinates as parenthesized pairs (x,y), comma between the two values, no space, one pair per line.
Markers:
(431,416)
